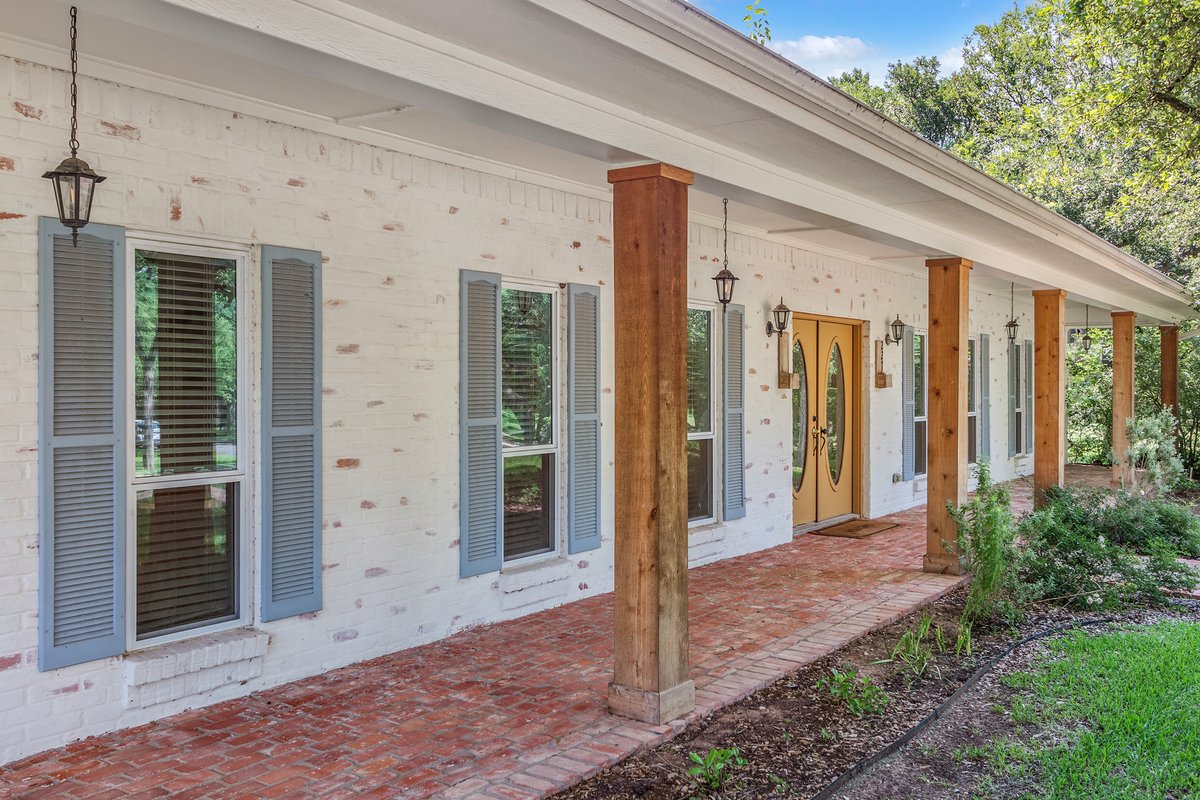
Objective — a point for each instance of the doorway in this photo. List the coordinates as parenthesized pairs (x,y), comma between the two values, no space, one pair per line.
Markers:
(825,420)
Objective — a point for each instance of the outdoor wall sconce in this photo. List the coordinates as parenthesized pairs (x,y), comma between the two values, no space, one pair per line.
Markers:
(73,180)
(895,331)
(782,315)
(1086,340)
(1011,327)
(725,279)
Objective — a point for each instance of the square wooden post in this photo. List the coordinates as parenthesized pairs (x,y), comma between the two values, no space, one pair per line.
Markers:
(1050,390)
(1169,368)
(650,680)
(949,329)
(1122,393)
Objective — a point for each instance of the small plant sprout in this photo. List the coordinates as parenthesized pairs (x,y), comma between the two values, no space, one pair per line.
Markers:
(711,769)
(860,694)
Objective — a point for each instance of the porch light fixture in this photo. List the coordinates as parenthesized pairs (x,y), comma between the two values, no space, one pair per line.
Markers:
(782,315)
(725,279)
(1086,340)
(1011,327)
(73,180)
(895,331)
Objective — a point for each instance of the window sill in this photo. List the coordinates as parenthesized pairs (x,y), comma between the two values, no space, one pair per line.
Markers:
(535,582)
(193,666)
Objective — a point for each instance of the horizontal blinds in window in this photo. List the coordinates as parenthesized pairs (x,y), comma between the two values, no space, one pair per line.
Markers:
(526,366)
(699,371)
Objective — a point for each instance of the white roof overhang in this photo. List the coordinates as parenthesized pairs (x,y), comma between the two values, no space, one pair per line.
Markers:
(568,88)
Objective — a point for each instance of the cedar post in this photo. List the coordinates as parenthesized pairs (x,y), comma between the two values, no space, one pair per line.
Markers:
(1169,368)
(1049,381)
(949,326)
(1122,394)
(650,680)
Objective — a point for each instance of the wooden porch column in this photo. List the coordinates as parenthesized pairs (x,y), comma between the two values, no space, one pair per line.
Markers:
(1169,368)
(650,680)
(1049,382)
(949,329)
(1122,393)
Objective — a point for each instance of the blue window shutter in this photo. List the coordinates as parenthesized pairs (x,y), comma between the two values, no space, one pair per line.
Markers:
(1027,351)
(481,486)
(81,433)
(1014,380)
(908,405)
(985,397)
(291,455)
(583,410)
(733,322)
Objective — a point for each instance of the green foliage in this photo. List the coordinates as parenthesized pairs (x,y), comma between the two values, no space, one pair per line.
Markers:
(986,542)
(757,24)
(1135,521)
(860,694)
(712,769)
(1067,559)
(1156,465)
(915,651)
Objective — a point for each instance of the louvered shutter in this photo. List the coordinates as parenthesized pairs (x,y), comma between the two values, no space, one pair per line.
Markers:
(583,409)
(734,432)
(1014,381)
(985,398)
(908,381)
(1028,414)
(481,486)
(81,431)
(291,458)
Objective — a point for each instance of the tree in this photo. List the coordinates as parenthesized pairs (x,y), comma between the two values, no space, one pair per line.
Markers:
(757,25)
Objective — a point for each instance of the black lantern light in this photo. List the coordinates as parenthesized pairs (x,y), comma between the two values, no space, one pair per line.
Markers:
(782,315)
(895,331)
(1086,340)
(73,180)
(725,279)
(1011,327)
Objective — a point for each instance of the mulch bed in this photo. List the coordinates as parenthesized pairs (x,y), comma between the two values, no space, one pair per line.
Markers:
(795,736)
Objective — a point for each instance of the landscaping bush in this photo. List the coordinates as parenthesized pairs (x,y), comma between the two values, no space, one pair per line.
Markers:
(987,547)
(1135,522)
(1152,454)
(1067,558)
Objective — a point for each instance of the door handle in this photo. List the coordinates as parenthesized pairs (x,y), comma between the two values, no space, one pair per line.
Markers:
(824,440)
(816,437)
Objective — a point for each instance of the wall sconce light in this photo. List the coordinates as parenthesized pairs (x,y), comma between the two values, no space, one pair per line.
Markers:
(725,279)
(73,180)
(1011,327)
(895,331)
(782,316)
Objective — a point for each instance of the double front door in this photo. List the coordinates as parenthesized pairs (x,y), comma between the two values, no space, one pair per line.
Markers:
(824,420)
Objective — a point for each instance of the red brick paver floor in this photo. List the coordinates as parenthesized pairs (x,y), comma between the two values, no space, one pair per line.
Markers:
(513,710)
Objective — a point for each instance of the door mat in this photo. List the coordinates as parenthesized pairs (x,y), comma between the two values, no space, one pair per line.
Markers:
(856,529)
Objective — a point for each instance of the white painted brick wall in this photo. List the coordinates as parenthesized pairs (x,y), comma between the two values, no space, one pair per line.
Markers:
(394,230)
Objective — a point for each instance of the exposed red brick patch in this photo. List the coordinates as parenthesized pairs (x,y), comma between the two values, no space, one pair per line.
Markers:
(374,572)
(583,563)
(453,209)
(335,303)
(576,245)
(771,496)
(27,449)
(347,349)
(8,662)
(454,544)
(345,636)
(299,183)
(309,615)
(704,258)
(10,215)
(389,281)
(582,586)
(7,164)
(504,220)
(324,215)
(321,149)
(199,181)
(420,415)
(765,387)
(368,504)
(766,421)
(328,392)
(27,111)
(120,130)
(370,193)
(347,463)
(752,371)
(603,239)
(392,227)
(758,276)
(488,256)
(374,403)
(403,501)
(176,209)
(331,565)
(68,689)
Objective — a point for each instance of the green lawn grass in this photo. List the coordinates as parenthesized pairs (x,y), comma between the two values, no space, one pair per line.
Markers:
(1122,711)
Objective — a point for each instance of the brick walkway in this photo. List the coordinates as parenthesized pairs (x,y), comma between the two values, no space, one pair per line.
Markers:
(512,710)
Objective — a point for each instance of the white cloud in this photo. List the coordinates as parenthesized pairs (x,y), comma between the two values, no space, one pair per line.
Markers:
(951,59)
(821,49)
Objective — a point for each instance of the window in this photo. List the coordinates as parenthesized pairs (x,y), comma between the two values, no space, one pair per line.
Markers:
(1020,398)
(972,401)
(701,431)
(528,337)
(920,368)
(187,481)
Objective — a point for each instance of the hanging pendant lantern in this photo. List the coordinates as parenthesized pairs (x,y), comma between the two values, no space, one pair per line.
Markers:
(73,180)
(725,279)
(1086,341)
(1011,327)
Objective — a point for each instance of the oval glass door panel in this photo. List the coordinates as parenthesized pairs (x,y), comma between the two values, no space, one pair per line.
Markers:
(799,418)
(835,410)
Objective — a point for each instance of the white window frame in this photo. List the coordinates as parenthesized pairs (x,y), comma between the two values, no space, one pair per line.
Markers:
(923,335)
(247,489)
(716,372)
(558,429)
(974,377)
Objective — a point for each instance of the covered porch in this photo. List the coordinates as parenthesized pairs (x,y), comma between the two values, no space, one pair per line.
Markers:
(517,709)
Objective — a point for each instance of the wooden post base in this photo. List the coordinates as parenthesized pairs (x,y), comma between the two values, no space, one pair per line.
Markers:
(947,565)
(655,708)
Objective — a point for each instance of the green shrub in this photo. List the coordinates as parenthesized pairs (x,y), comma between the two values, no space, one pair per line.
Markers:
(860,694)
(987,547)
(1152,454)
(1135,521)
(711,769)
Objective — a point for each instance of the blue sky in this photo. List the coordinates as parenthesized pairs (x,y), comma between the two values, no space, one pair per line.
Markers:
(829,36)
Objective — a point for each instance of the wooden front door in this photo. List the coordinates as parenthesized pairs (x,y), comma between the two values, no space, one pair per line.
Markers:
(824,420)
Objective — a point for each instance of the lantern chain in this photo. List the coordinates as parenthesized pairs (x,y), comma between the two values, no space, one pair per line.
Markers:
(74,87)
(725,202)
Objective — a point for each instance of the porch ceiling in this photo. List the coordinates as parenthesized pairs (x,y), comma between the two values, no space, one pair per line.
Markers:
(568,88)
